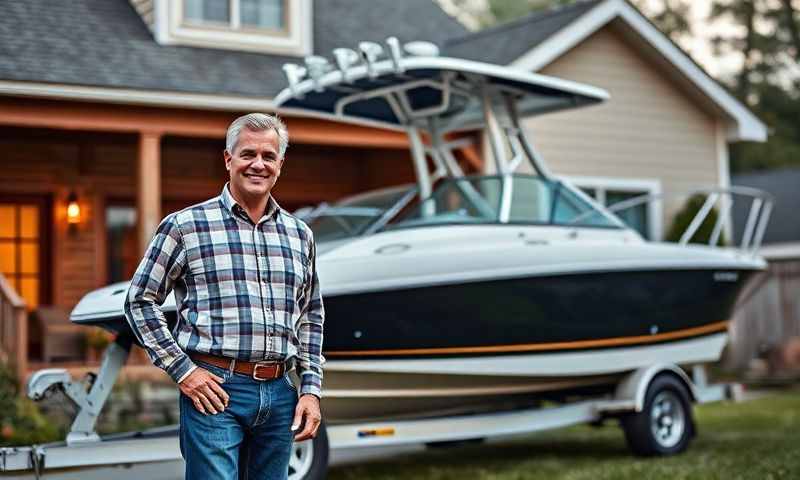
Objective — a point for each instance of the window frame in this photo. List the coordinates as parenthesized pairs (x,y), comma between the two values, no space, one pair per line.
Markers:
(296,39)
(45,272)
(645,186)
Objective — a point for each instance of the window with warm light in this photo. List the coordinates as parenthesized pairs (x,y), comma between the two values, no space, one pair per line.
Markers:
(20,233)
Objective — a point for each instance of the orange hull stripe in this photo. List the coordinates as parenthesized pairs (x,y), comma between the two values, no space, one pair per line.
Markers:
(536,347)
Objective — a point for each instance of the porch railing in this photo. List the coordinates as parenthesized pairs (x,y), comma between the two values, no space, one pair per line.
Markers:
(13,329)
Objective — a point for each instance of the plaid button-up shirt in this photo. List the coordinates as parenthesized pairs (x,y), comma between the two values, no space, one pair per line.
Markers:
(242,290)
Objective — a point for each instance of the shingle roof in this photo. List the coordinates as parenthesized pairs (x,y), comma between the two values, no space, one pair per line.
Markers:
(509,41)
(105,43)
(784,184)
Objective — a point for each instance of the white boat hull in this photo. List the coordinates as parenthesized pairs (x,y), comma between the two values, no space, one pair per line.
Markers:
(362,390)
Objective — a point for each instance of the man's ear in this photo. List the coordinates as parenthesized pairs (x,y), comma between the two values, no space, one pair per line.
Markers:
(227,156)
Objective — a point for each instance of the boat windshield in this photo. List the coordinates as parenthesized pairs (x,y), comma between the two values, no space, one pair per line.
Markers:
(477,200)
(354,216)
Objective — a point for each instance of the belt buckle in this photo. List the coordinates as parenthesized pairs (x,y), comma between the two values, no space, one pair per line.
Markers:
(265,364)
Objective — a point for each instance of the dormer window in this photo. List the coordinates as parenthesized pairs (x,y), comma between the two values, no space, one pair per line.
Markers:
(268,26)
(270,15)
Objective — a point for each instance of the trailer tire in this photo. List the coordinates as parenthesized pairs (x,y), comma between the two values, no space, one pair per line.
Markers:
(665,425)
(309,460)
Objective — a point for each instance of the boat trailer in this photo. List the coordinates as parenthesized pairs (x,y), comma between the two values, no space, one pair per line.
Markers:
(155,453)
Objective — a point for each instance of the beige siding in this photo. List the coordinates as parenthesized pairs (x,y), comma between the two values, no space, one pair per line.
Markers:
(649,129)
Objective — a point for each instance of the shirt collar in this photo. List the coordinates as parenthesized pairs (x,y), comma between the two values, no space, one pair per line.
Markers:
(234,208)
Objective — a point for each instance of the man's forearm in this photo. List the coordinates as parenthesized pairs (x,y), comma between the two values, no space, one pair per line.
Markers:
(161,266)
(151,329)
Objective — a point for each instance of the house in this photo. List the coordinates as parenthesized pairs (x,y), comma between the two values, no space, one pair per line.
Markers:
(115,111)
(120,109)
(666,128)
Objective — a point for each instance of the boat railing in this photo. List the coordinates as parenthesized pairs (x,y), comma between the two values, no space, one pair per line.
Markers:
(722,199)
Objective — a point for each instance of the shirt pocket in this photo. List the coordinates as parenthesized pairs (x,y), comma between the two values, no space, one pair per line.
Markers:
(300,272)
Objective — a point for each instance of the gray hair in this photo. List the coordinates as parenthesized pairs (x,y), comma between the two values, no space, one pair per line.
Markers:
(257,122)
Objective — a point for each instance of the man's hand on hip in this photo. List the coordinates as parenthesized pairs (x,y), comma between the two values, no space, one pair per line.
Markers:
(307,414)
(202,387)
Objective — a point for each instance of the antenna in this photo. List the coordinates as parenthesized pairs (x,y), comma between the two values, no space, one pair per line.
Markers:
(317,66)
(396,53)
(345,58)
(370,52)
(421,49)
(294,73)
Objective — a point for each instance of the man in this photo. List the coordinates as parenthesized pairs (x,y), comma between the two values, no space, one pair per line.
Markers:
(249,311)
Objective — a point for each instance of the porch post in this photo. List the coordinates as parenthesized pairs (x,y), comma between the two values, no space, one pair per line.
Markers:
(148,194)
(21,320)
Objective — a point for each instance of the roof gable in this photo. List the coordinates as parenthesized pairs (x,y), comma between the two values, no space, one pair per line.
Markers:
(507,42)
(571,25)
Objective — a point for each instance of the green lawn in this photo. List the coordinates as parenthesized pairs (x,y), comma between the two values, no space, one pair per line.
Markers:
(758,439)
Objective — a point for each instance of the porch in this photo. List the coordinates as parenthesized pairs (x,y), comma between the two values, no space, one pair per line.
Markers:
(84,186)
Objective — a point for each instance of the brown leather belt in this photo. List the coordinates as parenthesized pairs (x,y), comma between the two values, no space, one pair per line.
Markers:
(258,370)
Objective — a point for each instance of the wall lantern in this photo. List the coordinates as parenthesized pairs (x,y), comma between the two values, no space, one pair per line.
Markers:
(73,209)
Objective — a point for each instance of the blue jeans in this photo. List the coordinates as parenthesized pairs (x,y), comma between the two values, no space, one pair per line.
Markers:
(250,440)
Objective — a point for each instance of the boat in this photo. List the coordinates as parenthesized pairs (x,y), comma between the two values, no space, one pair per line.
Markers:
(467,293)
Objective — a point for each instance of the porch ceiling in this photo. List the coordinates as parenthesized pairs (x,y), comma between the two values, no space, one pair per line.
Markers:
(107,118)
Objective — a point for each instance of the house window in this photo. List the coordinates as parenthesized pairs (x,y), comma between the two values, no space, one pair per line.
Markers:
(266,26)
(645,218)
(122,249)
(635,216)
(21,257)
(237,14)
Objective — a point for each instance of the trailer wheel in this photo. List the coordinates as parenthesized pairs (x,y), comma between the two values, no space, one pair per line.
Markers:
(665,425)
(309,460)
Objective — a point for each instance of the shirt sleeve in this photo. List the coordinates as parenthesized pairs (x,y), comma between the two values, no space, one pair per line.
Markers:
(310,332)
(163,263)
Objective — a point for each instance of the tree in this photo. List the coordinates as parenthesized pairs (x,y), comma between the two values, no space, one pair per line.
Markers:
(791,24)
(767,79)
(741,12)
(670,16)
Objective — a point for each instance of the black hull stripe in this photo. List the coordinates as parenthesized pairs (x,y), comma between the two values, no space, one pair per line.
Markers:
(538,347)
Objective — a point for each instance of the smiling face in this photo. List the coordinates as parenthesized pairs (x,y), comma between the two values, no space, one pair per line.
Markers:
(254,165)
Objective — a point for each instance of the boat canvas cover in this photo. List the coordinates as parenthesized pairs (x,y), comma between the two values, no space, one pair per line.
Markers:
(330,94)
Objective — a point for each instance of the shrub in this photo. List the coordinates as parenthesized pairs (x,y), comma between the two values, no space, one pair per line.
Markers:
(684,218)
(21,421)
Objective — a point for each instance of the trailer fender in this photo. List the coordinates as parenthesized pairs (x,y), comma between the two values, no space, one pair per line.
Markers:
(633,388)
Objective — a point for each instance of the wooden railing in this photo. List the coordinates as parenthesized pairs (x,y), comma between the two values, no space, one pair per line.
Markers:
(13,329)
(767,316)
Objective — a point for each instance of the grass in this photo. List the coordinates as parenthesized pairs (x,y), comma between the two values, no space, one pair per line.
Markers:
(759,439)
